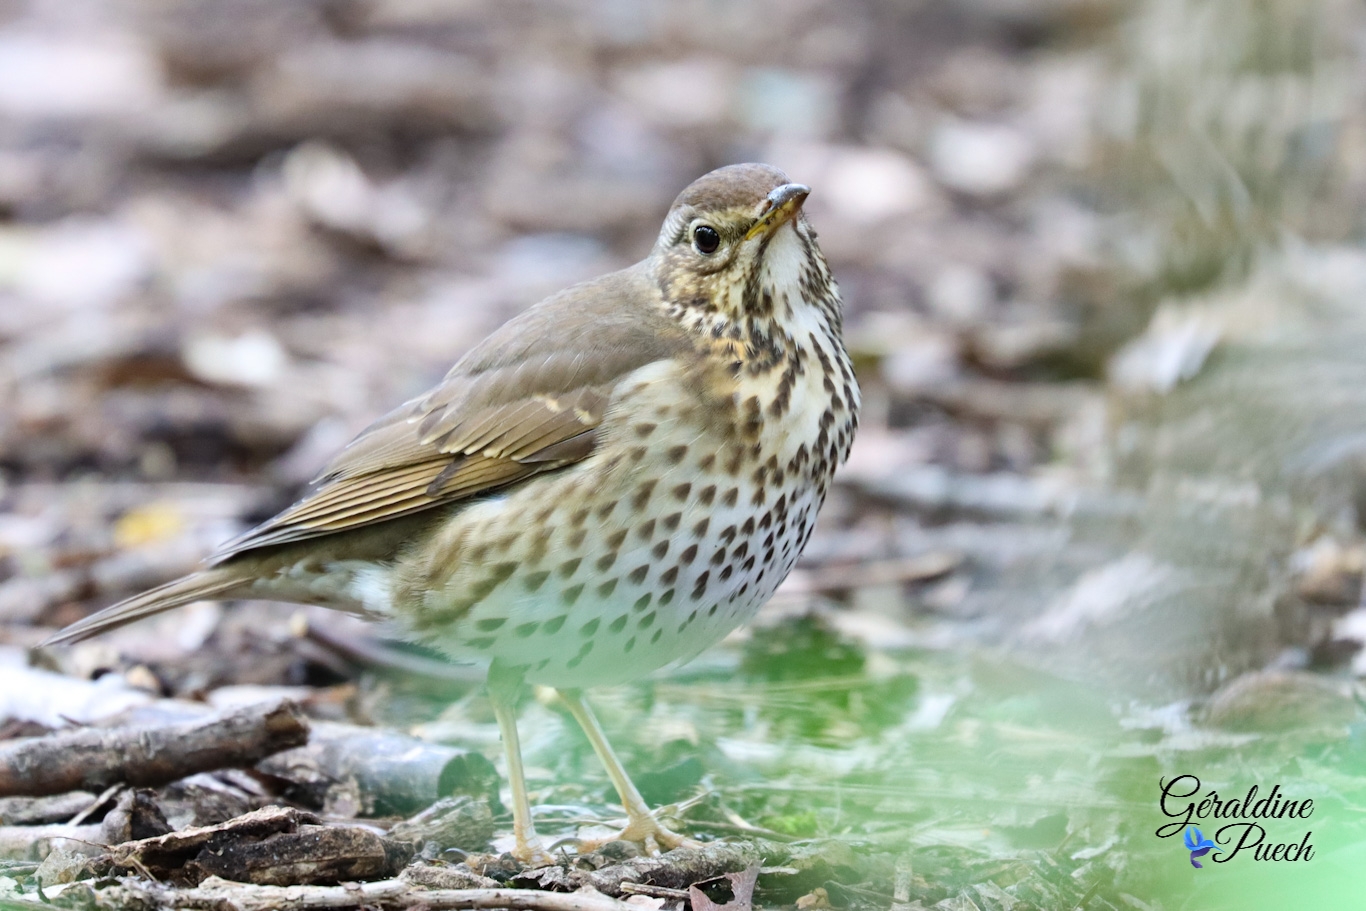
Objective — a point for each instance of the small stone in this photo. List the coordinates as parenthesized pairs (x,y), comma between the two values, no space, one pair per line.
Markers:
(1278,701)
(1328,572)
(961,293)
(1173,349)
(980,159)
(254,358)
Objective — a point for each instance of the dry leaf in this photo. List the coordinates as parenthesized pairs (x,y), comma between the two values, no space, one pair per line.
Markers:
(741,884)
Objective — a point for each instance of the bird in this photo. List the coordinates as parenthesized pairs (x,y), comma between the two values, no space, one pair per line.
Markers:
(607,485)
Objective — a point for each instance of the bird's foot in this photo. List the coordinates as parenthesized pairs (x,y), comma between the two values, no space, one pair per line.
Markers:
(647,832)
(529,851)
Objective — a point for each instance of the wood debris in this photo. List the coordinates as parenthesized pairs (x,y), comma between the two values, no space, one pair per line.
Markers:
(93,758)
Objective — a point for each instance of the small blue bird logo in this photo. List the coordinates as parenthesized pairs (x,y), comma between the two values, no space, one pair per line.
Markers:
(1198,845)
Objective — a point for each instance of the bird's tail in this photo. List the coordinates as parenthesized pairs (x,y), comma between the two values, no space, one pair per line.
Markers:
(211,583)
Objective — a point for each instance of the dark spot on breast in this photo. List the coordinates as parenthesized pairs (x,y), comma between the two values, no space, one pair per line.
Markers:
(700,587)
(589,628)
(569,567)
(637,575)
(605,509)
(748,528)
(655,638)
(735,462)
(642,495)
(689,554)
(526,629)
(630,644)
(647,621)
(727,534)
(606,588)
(534,581)
(711,611)
(616,539)
(490,624)
(480,642)
(576,538)
(579,517)
(641,603)
(666,598)
(681,492)
(700,528)
(646,531)
(618,624)
(669,575)
(719,557)
(552,626)
(571,594)
(674,454)
(707,461)
(604,563)
(498,574)
(636,454)
(707,495)
(670,522)
(725,573)
(732,497)
(660,550)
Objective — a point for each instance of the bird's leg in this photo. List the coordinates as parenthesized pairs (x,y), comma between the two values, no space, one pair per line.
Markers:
(641,825)
(503,686)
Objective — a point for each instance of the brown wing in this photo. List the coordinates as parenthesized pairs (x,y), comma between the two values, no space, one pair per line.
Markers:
(528,399)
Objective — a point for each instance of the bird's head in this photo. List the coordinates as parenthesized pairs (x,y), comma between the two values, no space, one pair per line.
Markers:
(735,246)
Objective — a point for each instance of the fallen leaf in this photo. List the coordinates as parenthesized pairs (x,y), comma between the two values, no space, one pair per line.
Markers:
(741,884)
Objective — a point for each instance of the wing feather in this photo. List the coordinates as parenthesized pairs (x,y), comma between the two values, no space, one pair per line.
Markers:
(529,399)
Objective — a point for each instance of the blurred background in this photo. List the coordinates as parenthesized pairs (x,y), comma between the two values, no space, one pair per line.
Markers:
(1105,284)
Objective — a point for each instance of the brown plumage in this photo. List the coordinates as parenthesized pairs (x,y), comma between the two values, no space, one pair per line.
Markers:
(607,484)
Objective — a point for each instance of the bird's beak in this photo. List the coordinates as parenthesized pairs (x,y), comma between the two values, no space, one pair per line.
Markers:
(783,205)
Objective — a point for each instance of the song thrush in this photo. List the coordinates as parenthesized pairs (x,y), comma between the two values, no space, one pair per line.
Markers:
(608,484)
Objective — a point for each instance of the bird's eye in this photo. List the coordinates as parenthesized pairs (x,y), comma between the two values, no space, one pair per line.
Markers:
(705,239)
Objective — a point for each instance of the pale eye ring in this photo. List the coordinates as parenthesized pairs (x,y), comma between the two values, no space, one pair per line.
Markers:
(706,239)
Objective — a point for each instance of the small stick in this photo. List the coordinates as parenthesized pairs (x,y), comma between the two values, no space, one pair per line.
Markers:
(92,759)
(391,894)
(654,891)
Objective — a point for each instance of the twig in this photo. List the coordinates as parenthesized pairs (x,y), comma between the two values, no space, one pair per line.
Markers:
(390,894)
(708,825)
(901,570)
(92,759)
(654,891)
(33,842)
(678,869)
(1095,886)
